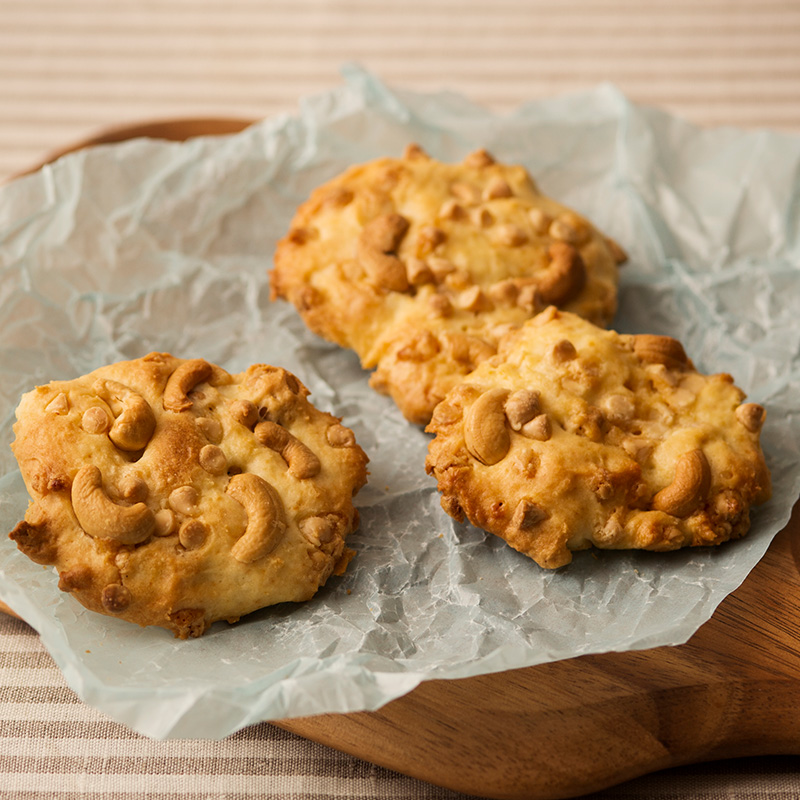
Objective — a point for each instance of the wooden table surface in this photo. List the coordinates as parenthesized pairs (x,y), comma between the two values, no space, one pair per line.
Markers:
(69,68)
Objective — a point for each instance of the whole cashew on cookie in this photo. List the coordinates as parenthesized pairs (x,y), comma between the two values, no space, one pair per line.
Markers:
(266,523)
(135,423)
(101,517)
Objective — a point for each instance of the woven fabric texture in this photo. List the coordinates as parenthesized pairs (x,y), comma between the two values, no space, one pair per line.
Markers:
(69,68)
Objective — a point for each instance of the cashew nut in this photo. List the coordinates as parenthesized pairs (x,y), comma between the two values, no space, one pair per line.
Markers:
(752,416)
(561,229)
(481,217)
(465,192)
(165,522)
(318,530)
(429,238)
(418,272)
(212,459)
(376,251)
(496,188)
(565,277)
(115,598)
(564,350)
(95,420)
(59,404)
(688,489)
(527,515)
(539,220)
(188,375)
(192,534)
(101,517)
(473,299)
(452,209)
(301,461)
(135,422)
(440,305)
(521,407)
(244,412)
(485,432)
(660,350)
(539,428)
(183,500)
(340,436)
(466,349)
(510,235)
(423,347)
(413,150)
(210,428)
(133,488)
(265,516)
(479,158)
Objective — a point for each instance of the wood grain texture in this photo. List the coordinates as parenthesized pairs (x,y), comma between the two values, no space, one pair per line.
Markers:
(564,729)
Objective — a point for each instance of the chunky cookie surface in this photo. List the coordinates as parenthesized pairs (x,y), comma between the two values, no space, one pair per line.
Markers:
(169,492)
(418,266)
(573,436)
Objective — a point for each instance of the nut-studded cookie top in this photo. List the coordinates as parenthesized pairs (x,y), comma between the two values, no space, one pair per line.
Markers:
(575,436)
(169,492)
(417,265)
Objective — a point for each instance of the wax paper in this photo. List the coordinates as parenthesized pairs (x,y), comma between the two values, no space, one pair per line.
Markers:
(120,250)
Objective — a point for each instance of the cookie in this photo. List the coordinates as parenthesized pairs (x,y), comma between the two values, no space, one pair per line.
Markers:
(169,492)
(418,266)
(573,436)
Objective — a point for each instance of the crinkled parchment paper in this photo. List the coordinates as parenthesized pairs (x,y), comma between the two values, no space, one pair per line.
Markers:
(123,249)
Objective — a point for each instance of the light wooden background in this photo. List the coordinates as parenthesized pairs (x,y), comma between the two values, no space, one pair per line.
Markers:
(69,67)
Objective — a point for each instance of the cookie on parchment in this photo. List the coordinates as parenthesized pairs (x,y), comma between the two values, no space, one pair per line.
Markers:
(169,492)
(418,265)
(574,436)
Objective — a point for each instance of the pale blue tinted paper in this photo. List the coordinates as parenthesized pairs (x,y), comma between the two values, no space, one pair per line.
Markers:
(121,250)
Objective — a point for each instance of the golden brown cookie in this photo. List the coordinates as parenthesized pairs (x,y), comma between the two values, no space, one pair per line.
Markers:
(169,492)
(573,436)
(417,266)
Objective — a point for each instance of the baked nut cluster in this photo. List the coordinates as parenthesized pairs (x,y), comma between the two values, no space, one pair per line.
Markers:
(573,436)
(169,492)
(418,266)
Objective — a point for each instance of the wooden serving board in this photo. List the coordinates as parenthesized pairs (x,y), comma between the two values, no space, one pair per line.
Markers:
(580,725)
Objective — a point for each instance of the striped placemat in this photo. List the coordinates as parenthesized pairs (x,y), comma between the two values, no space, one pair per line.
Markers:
(69,68)
(53,747)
